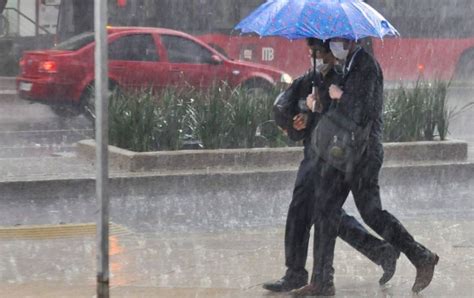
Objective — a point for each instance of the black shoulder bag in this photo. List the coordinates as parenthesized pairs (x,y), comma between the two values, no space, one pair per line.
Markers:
(339,141)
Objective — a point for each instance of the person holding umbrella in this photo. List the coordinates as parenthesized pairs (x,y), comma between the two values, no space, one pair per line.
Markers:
(300,212)
(360,99)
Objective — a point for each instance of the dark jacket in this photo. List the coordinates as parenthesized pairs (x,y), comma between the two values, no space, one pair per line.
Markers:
(301,88)
(362,100)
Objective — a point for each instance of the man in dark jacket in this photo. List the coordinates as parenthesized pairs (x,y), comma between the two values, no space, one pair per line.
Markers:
(300,213)
(359,98)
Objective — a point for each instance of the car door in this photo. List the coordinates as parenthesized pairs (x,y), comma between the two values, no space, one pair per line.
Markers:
(134,62)
(191,63)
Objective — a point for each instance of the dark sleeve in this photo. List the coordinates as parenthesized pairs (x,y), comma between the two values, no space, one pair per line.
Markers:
(360,92)
(296,135)
(300,89)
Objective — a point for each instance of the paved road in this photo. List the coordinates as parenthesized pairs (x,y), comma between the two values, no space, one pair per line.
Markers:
(33,130)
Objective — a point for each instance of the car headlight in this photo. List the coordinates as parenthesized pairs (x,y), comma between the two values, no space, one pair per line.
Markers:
(286,78)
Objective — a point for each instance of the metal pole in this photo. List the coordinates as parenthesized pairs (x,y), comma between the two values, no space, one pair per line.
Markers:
(37,6)
(101,132)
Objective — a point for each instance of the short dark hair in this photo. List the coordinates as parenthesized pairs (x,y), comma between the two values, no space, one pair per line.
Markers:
(316,42)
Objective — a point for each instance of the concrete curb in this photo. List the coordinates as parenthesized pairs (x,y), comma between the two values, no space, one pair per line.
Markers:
(8,89)
(246,198)
(121,159)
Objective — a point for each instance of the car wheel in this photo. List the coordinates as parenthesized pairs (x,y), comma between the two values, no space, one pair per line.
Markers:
(66,111)
(88,100)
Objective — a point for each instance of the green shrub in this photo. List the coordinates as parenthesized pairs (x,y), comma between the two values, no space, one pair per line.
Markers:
(172,107)
(134,122)
(222,117)
(146,121)
(418,113)
(209,116)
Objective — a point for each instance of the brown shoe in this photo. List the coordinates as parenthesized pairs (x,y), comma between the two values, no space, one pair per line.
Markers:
(424,274)
(315,290)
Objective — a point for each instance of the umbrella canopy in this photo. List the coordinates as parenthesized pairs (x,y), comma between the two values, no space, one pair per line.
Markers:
(323,19)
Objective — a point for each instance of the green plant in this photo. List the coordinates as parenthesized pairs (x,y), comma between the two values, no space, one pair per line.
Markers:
(134,121)
(209,117)
(219,117)
(418,113)
(245,116)
(172,108)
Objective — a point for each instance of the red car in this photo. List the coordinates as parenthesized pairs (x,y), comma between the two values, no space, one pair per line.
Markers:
(138,58)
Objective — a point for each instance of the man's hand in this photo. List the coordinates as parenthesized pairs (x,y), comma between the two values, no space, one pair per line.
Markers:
(310,101)
(299,121)
(313,103)
(335,92)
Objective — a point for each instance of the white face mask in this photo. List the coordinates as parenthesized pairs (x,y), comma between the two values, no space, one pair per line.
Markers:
(337,49)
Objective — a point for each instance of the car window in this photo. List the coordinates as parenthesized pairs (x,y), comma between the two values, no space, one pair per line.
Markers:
(136,47)
(76,42)
(183,50)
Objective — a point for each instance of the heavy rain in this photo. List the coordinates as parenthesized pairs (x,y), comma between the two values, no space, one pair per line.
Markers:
(210,194)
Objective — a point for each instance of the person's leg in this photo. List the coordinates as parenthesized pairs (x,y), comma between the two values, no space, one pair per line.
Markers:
(356,235)
(329,198)
(365,189)
(298,225)
(299,219)
(378,251)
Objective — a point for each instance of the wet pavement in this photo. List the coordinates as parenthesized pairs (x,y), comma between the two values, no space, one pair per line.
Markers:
(33,130)
(55,263)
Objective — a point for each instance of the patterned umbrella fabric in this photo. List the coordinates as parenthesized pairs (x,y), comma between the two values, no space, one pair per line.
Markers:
(323,19)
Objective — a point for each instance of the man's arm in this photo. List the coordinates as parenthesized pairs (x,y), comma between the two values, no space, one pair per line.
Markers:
(359,94)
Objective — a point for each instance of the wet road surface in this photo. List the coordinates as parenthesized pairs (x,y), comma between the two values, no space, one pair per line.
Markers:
(33,130)
(230,264)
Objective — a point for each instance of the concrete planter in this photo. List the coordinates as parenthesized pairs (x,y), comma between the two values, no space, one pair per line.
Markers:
(185,160)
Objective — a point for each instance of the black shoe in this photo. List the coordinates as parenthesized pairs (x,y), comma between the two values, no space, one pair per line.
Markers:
(389,264)
(286,284)
(312,289)
(424,273)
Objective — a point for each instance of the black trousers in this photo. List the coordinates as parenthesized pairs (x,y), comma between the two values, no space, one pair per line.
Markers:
(331,192)
(300,219)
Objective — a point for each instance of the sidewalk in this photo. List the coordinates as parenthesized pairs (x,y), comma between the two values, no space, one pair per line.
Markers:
(232,264)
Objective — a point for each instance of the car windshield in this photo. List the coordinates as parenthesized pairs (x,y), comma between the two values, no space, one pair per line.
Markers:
(76,42)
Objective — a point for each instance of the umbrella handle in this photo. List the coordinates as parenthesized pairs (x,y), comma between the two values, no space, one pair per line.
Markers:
(314,75)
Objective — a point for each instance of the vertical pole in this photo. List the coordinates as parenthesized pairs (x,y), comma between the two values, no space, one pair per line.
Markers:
(37,10)
(101,132)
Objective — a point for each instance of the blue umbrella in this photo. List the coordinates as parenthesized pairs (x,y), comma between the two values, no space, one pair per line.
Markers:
(323,19)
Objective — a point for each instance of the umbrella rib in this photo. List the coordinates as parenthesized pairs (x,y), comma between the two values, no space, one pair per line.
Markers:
(379,33)
(349,20)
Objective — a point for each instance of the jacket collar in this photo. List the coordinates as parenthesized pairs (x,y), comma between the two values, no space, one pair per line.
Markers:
(350,60)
